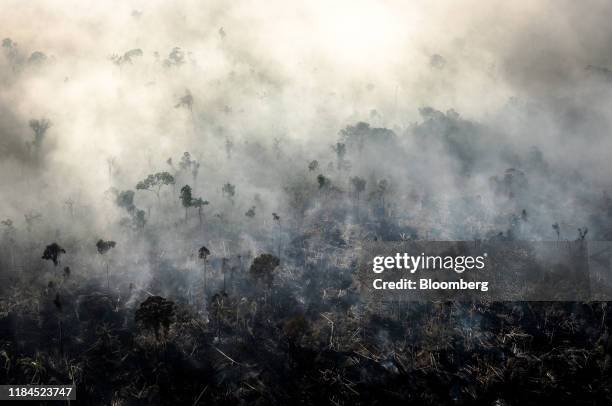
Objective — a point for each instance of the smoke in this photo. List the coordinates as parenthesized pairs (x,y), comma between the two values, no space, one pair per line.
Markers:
(257,91)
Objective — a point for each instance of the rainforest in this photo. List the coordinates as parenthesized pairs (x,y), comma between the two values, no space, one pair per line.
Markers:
(187,187)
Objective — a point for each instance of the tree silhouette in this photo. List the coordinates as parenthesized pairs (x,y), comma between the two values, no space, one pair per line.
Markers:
(250,212)
(30,219)
(125,199)
(126,58)
(12,52)
(110,163)
(557,229)
(359,185)
(103,247)
(199,203)
(39,127)
(313,165)
(228,147)
(340,150)
(323,182)
(186,198)
(229,191)
(52,253)
(176,57)
(37,58)
(263,267)
(382,188)
(203,254)
(139,219)
(277,147)
(185,101)
(277,218)
(156,313)
(188,164)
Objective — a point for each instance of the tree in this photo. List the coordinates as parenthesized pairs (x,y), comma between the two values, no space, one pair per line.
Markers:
(186,101)
(382,188)
(39,127)
(103,247)
(277,147)
(11,51)
(203,254)
(359,185)
(186,198)
(126,58)
(175,58)
(30,219)
(324,182)
(52,252)
(557,229)
(313,165)
(263,267)
(110,162)
(229,191)
(70,206)
(250,212)
(199,203)
(125,199)
(340,150)
(37,58)
(154,183)
(296,328)
(139,219)
(156,313)
(58,306)
(228,147)
(277,218)
(188,164)
(9,235)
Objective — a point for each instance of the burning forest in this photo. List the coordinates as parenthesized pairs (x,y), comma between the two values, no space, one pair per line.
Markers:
(187,189)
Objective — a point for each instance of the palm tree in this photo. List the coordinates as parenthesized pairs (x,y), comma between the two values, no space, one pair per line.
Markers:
(103,247)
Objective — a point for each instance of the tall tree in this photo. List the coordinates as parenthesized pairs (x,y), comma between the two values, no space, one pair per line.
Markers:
(277,218)
(103,247)
(340,150)
(203,254)
(359,185)
(39,127)
(229,145)
(186,198)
